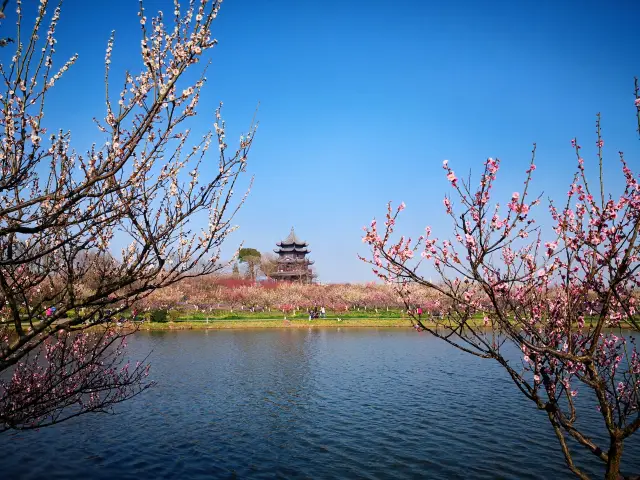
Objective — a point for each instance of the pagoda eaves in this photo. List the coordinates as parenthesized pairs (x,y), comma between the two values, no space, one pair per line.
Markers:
(292,249)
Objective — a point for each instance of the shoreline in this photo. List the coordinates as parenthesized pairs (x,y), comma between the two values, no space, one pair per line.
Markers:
(267,323)
(277,323)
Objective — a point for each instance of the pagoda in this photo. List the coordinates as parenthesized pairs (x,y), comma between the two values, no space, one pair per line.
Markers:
(292,264)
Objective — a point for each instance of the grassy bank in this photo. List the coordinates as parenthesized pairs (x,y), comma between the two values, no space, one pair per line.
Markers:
(214,324)
(279,315)
(234,323)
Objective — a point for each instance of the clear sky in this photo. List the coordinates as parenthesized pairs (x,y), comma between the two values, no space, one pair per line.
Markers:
(361,101)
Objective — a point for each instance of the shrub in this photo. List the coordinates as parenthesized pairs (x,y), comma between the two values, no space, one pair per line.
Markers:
(159,316)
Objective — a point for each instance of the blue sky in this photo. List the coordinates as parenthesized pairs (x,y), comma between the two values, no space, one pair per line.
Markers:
(360,101)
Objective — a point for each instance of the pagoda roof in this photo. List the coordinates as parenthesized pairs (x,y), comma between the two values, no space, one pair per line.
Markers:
(291,249)
(292,240)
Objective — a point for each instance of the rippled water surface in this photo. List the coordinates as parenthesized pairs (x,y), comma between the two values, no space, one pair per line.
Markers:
(297,403)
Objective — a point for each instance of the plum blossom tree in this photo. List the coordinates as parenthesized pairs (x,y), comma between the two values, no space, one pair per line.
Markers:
(62,214)
(223,291)
(566,301)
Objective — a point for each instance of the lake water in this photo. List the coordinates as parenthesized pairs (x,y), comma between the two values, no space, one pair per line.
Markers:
(303,403)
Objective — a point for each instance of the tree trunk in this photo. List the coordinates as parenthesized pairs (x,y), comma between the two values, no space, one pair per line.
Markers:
(615,455)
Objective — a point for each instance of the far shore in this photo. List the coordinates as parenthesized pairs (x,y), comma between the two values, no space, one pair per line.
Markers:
(228,324)
(296,322)
(218,324)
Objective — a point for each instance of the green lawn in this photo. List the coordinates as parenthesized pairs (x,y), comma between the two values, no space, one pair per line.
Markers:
(279,315)
(275,323)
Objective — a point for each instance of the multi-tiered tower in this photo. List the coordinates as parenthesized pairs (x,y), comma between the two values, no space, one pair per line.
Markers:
(293,266)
